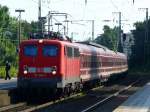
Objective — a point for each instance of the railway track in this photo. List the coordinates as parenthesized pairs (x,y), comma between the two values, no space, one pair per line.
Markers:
(24,107)
(92,99)
(12,107)
(92,107)
(98,96)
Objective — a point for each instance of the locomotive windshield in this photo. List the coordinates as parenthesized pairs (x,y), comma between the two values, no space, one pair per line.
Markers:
(30,50)
(50,50)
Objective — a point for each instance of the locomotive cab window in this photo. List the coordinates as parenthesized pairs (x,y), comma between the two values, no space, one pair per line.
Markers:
(30,50)
(50,50)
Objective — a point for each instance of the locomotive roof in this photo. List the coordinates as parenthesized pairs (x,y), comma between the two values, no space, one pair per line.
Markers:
(83,47)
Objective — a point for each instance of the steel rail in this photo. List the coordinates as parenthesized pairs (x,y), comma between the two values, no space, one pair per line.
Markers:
(6,108)
(37,107)
(109,97)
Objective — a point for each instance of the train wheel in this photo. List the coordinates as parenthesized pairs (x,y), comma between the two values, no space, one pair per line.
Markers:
(78,87)
(67,91)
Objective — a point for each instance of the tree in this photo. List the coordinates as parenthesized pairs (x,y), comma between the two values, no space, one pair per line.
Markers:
(108,38)
(8,35)
(141,49)
(4,16)
(34,26)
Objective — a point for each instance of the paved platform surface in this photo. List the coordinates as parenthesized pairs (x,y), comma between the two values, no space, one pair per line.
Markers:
(138,102)
(6,84)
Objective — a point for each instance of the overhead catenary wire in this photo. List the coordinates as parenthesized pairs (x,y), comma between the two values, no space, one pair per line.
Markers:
(48,14)
(42,4)
(114,5)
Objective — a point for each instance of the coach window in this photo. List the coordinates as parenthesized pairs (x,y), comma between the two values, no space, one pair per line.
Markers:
(50,50)
(30,50)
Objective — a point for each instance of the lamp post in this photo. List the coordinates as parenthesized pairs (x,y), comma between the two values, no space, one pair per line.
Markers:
(19,26)
(119,46)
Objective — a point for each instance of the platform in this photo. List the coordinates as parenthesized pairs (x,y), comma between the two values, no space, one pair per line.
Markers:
(6,84)
(7,88)
(138,102)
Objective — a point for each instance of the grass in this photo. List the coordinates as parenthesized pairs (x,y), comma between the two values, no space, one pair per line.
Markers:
(13,72)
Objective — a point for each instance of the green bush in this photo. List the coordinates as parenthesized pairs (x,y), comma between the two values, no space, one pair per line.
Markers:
(13,72)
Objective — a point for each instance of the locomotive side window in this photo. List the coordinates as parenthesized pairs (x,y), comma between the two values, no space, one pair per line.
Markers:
(72,52)
(30,50)
(69,52)
(76,52)
(50,50)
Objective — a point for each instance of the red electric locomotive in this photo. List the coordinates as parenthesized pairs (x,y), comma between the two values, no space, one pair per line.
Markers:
(57,64)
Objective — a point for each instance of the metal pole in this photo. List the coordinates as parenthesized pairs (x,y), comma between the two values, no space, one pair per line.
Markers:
(72,35)
(119,44)
(39,17)
(58,24)
(49,21)
(64,30)
(146,38)
(119,31)
(19,29)
(67,25)
(92,30)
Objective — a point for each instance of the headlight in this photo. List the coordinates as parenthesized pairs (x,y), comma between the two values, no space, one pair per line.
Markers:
(54,69)
(25,72)
(54,72)
(25,69)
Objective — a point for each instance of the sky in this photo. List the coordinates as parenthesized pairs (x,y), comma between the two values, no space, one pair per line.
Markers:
(98,10)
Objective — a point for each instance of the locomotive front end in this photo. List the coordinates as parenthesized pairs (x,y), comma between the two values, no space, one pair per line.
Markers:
(39,64)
